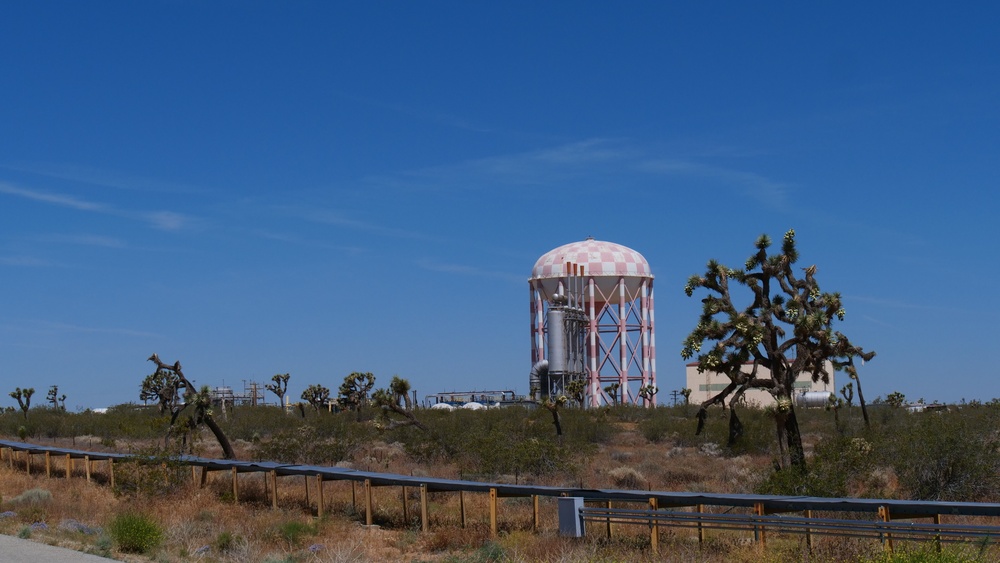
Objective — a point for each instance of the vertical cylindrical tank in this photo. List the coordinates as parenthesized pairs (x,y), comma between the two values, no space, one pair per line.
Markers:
(557,350)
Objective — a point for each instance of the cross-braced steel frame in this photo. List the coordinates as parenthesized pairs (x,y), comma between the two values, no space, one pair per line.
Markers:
(620,337)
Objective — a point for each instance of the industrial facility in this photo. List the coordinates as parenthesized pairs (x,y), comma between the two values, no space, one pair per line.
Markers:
(591,306)
(808,393)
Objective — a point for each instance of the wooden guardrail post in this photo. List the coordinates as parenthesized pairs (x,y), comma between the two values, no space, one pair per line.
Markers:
(69,465)
(758,530)
(701,527)
(48,465)
(274,489)
(461,507)
(493,512)
(535,520)
(883,514)
(305,481)
(608,520)
(111,472)
(406,513)
(320,501)
(809,536)
(425,524)
(27,462)
(204,476)
(937,538)
(369,504)
(86,466)
(236,485)
(354,497)
(654,528)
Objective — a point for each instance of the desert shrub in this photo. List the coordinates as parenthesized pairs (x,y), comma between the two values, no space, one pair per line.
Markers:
(956,554)
(836,462)
(294,531)
(244,422)
(582,427)
(135,533)
(226,541)
(499,452)
(625,477)
(149,472)
(944,456)
(306,444)
(32,505)
(670,424)
(31,497)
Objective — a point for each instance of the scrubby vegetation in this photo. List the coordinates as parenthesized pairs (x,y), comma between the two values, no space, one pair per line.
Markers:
(945,455)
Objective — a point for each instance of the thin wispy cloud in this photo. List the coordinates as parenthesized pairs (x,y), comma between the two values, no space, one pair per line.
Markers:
(466,270)
(753,185)
(58,327)
(339,219)
(301,241)
(427,115)
(548,166)
(163,220)
(896,304)
(54,199)
(25,261)
(81,239)
(105,178)
(584,161)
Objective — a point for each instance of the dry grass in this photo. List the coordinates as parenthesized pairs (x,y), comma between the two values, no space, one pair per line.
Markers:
(206,525)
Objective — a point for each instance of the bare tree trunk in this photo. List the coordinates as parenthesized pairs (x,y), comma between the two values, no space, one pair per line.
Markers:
(795,449)
(861,399)
(220,436)
(558,424)
(785,459)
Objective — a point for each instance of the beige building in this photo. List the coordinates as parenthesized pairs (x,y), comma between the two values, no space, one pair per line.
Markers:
(707,384)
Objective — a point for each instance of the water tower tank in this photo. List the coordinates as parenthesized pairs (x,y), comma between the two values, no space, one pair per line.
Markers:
(617,292)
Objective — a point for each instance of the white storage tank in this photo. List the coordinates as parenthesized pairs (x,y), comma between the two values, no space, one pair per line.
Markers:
(813,399)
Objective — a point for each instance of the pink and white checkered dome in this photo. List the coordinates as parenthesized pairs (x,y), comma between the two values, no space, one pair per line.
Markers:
(599,258)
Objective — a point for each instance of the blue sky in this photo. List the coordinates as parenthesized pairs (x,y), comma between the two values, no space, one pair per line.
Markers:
(320,188)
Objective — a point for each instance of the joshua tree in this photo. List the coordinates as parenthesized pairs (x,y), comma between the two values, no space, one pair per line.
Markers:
(165,385)
(787,329)
(353,393)
(647,392)
(577,391)
(55,399)
(553,404)
(686,393)
(848,392)
(317,396)
(612,391)
(396,399)
(23,398)
(279,387)
(895,399)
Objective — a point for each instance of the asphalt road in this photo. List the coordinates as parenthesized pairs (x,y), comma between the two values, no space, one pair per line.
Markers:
(16,550)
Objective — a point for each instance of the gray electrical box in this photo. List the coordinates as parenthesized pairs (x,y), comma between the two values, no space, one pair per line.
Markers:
(570,519)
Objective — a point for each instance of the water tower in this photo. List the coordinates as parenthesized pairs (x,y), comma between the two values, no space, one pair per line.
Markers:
(607,290)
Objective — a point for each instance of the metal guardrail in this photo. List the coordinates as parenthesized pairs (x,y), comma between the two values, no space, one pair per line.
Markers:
(769,511)
(760,523)
(875,529)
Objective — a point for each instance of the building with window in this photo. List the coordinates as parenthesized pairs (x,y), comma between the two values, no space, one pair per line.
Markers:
(708,384)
